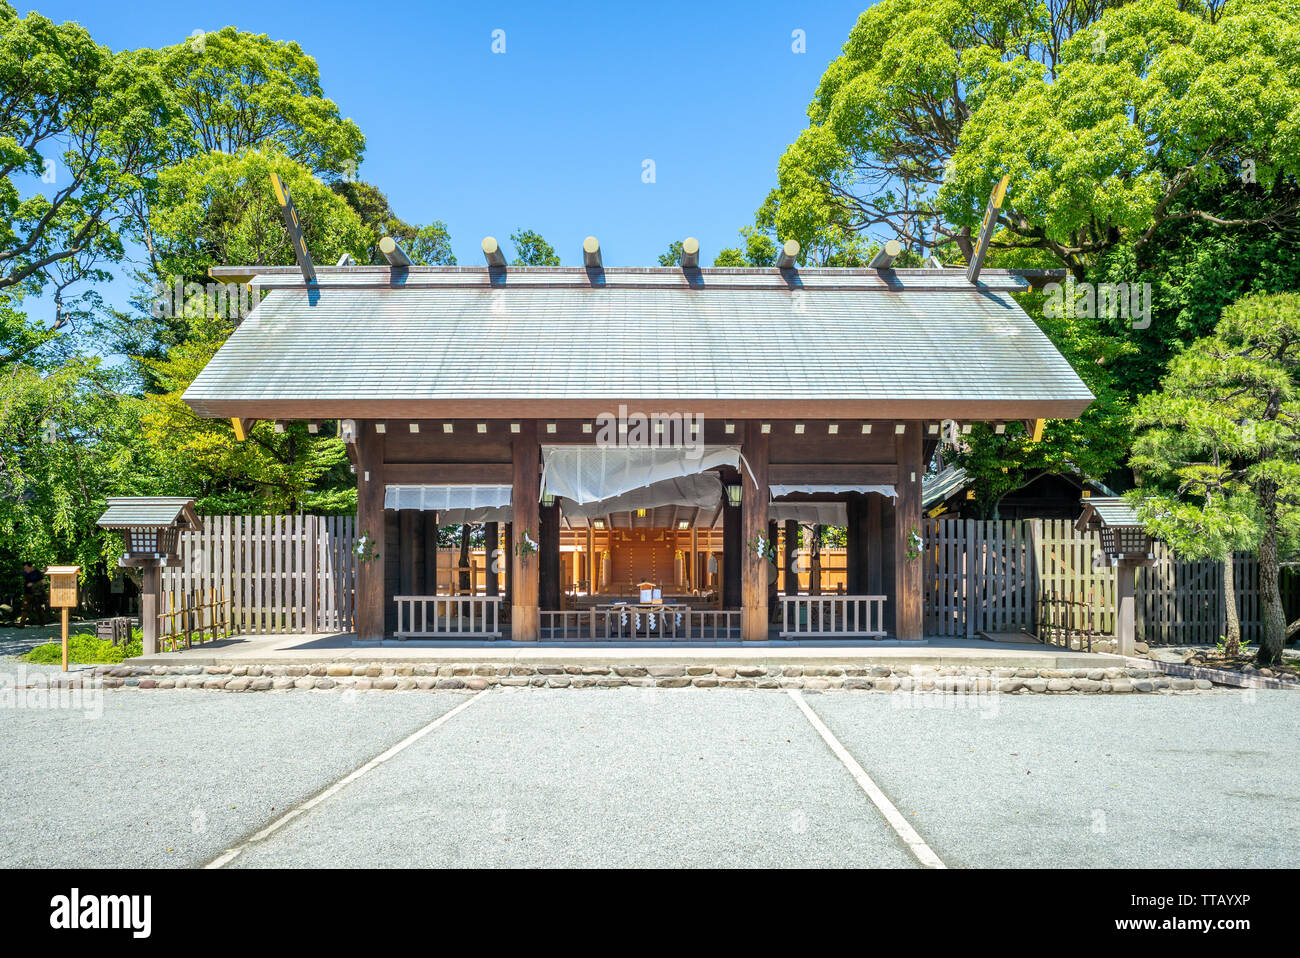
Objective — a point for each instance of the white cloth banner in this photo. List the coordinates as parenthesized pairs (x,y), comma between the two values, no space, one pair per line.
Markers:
(454,503)
(592,473)
(817,488)
(810,513)
(703,491)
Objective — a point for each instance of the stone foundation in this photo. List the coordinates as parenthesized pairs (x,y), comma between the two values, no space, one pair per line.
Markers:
(478,676)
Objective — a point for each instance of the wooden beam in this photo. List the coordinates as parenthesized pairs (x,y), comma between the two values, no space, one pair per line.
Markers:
(441,473)
(868,474)
(370,521)
(690,253)
(753,524)
(525,623)
(242,428)
(885,256)
(492,252)
(294,227)
(395,255)
(987,228)
(591,253)
(789,250)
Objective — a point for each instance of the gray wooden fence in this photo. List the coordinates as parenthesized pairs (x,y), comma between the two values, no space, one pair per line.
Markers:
(279,573)
(988,576)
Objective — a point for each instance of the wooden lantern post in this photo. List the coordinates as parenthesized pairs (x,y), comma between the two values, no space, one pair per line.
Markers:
(63,596)
(1125,541)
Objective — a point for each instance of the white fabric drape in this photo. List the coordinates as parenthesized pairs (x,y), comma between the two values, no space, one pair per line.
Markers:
(454,503)
(810,513)
(592,473)
(829,487)
(703,491)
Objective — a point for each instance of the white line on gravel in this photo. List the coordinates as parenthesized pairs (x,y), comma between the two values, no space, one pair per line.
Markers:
(924,853)
(230,854)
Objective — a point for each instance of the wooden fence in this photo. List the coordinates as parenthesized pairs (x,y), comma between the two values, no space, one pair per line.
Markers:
(989,575)
(296,574)
(280,573)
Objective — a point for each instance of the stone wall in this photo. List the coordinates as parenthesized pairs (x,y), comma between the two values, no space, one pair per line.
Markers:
(478,676)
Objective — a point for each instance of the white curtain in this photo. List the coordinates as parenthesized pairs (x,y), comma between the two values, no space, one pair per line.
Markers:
(453,503)
(830,487)
(810,513)
(591,473)
(703,491)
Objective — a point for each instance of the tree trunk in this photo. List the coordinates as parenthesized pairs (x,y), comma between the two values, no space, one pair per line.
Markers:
(1232,637)
(463,564)
(1270,597)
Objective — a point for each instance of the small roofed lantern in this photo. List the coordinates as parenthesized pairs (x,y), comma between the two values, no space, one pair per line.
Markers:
(151,527)
(1124,538)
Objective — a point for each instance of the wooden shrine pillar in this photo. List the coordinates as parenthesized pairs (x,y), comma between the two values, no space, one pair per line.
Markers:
(855,553)
(874,545)
(430,546)
(507,563)
(731,550)
(525,623)
(754,497)
(548,545)
(907,519)
(791,557)
(491,542)
(772,571)
(815,560)
(370,522)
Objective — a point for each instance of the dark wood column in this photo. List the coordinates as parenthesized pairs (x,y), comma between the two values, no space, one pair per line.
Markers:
(524,621)
(731,549)
(408,552)
(772,572)
(855,560)
(548,546)
(907,517)
(507,562)
(814,560)
(430,545)
(874,546)
(791,556)
(753,523)
(491,537)
(369,621)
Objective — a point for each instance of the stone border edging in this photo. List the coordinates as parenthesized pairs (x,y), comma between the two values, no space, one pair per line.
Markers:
(471,676)
(1217,676)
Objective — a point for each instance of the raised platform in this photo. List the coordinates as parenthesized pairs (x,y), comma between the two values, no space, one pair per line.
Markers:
(297,649)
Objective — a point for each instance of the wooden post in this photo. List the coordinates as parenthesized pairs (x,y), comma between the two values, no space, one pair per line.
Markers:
(791,556)
(548,544)
(907,517)
(815,560)
(525,623)
(491,542)
(149,589)
(732,547)
(1125,620)
(313,560)
(370,521)
(772,571)
(753,524)
(874,546)
(63,618)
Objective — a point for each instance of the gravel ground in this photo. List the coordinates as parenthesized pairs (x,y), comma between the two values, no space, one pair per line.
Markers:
(1195,781)
(627,777)
(656,777)
(173,778)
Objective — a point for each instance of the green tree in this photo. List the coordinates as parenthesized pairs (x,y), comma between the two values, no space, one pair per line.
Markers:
(674,255)
(1234,395)
(1191,495)
(426,245)
(759,250)
(532,250)
(1104,117)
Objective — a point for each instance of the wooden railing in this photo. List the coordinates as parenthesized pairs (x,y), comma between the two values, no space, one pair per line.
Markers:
(195,618)
(832,616)
(448,616)
(639,624)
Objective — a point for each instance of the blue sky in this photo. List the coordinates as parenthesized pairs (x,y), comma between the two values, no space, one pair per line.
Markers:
(552,134)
